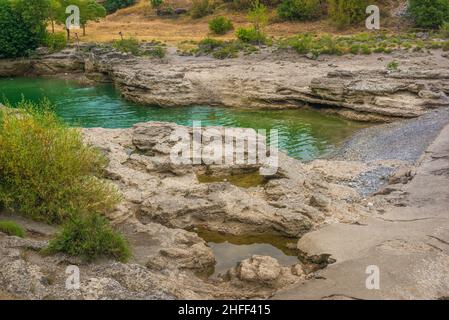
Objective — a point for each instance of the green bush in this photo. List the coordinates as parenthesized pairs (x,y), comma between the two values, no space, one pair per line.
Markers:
(46,171)
(299,9)
(12,229)
(393,66)
(429,13)
(251,35)
(130,45)
(209,44)
(444,30)
(55,41)
(156,3)
(220,25)
(89,236)
(113,5)
(223,49)
(22,26)
(445,46)
(156,52)
(242,4)
(344,13)
(201,8)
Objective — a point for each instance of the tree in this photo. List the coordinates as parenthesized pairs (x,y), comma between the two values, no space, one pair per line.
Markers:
(90,10)
(429,13)
(22,26)
(55,10)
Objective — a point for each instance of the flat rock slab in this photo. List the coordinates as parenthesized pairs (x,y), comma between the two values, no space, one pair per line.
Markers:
(409,244)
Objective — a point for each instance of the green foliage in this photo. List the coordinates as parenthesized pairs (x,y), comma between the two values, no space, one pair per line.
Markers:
(299,9)
(22,26)
(201,8)
(113,5)
(251,35)
(55,41)
(156,52)
(220,25)
(393,66)
(130,45)
(444,30)
(156,3)
(445,46)
(46,171)
(223,49)
(344,13)
(258,16)
(12,229)
(90,10)
(89,236)
(429,13)
(242,4)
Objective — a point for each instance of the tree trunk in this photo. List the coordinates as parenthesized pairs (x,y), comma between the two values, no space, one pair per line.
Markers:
(84,30)
(68,34)
(52,26)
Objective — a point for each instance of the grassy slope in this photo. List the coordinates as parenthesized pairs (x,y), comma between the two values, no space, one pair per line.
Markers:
(140,21)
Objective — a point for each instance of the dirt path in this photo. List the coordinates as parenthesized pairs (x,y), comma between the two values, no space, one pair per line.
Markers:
(409,243)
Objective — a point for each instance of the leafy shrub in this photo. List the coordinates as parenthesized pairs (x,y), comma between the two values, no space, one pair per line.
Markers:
(156,51)
(156,3)
(393,66)
(130,45)
(251,35)
(429,13)
(12,229)
(299,9)
(258,16)
(223,49)
(201,8)
(46,171)
(113,5)
(209,44)
(242,4)
(220,25)
(89,236)
(346,12)
(55,41)
(445,46)
(444,30)
(22,26)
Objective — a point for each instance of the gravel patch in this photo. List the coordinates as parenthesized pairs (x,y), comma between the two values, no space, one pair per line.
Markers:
(404,140)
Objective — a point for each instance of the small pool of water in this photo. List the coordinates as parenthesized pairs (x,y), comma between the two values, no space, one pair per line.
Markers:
(304,134)
(230,250)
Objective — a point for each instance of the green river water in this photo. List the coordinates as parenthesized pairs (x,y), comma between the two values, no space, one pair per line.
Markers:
(304,134)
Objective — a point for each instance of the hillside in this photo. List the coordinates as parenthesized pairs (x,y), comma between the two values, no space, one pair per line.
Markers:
(142,22)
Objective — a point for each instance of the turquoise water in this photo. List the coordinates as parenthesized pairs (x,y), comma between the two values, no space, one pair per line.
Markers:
(304,134)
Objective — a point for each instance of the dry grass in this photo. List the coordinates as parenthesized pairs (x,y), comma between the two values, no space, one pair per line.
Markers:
(141,22)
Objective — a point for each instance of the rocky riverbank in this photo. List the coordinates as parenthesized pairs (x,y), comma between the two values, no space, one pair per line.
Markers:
(163,202)
(356,87)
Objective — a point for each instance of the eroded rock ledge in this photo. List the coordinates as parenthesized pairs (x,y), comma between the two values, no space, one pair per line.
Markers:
(356,87)
(161,200)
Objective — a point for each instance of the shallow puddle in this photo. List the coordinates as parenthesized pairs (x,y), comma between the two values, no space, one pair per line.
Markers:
(243,180)
(230,250)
